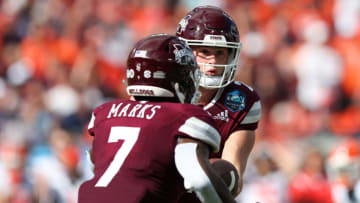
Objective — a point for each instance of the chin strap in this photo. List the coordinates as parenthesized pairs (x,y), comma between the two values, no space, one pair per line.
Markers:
(179,94)
(210,81)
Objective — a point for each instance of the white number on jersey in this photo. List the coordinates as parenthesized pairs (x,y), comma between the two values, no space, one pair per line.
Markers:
(130,136)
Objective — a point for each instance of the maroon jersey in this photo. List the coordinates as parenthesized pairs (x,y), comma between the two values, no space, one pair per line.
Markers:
(235,107)
(133,150)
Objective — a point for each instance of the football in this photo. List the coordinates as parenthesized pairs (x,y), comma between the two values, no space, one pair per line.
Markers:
(227,172)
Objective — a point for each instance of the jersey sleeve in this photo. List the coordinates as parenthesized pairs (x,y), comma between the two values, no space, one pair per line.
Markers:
(200,130)
(249,119)
(201,126)
(253,115)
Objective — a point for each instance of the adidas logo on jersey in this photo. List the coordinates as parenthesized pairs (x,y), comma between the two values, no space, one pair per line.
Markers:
(222,116)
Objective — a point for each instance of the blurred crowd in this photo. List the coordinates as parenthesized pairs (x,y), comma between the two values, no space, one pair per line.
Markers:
(59,59)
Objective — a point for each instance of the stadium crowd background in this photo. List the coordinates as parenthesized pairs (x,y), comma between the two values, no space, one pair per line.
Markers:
(61,58)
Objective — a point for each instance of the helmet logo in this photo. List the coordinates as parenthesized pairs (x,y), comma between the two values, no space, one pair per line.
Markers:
(183,56)
(235,32)
(182,24)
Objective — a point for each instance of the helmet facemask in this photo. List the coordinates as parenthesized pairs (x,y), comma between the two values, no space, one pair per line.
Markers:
(211,26)
(230,68)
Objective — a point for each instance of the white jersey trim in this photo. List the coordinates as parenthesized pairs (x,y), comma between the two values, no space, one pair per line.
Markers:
(92,121)
(253,115)
(199,129)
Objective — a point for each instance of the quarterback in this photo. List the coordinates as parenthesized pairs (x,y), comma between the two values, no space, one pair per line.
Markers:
(214,38)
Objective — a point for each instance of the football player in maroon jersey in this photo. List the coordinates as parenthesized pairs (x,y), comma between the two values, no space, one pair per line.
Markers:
(214,39)
(147,150)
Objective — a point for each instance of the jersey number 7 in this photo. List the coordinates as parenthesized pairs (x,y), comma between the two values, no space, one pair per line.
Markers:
(130,136)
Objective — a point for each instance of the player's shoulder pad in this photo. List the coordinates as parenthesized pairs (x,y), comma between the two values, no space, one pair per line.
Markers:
(238,84)
(238,97)
(244,88)
(99,109)
(199,125)
(192,109)
(105,105)
(254,113)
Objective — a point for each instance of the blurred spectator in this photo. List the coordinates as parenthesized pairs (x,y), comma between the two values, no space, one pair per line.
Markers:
(54,170)
(343,168)
(5,182)
(310,185)
(347,17)
(268,184)
(317,66)
(62,100)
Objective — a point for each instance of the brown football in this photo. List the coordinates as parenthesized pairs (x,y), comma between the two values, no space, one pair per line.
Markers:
(227,172)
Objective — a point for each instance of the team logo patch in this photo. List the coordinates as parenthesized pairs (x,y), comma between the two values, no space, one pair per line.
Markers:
(235,101)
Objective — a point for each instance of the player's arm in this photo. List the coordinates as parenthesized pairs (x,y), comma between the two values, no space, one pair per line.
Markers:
(191,158)
(89,153)
(237,149)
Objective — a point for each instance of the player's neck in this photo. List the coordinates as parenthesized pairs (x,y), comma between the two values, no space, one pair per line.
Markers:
(206,95)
